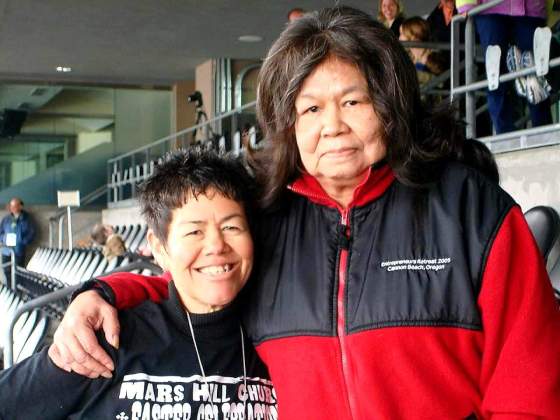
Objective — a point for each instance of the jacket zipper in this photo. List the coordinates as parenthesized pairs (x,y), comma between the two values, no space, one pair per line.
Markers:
(344,245)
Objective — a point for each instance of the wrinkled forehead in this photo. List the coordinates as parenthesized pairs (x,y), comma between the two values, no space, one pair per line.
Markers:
(333,69)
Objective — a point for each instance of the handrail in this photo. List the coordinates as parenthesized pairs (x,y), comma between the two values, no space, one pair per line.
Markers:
(527,71)
(12,263)
(544,129)
(53,297)
(182,132)
(469,53)
(476,10)
(428,45)
(541,136)
(125,171)
(29,306)
(59,215)
(92,196)
(470,84)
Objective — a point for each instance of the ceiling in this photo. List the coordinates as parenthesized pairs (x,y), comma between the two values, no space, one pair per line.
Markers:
(139,42)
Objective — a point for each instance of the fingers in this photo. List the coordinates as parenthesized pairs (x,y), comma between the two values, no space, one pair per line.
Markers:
(111,326)
(91,368)
(79,350)
(87,368)
(68,353)
(57,359)
(85,349)
(76,345)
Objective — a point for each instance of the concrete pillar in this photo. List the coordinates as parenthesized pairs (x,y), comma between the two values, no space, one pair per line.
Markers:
(204,82)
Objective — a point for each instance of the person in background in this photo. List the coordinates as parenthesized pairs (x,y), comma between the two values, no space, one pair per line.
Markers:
(440,20)
(112,244)
(17,231)
(427,62)
(511,25)
(391,15)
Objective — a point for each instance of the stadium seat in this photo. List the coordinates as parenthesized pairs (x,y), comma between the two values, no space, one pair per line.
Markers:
(138,239)
(23,331)
(555,278)
(33,341)
(131,235)
(544,223)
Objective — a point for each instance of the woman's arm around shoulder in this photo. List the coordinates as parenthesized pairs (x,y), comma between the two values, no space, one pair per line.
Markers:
(76,346)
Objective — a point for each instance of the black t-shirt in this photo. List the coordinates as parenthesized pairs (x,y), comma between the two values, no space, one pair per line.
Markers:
(157,374)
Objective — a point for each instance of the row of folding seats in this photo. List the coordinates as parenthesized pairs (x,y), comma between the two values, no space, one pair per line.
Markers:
(134,236)
(29,329)
(72,266)
(50,269)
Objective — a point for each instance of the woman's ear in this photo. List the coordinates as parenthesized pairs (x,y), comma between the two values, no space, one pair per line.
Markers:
(158,249)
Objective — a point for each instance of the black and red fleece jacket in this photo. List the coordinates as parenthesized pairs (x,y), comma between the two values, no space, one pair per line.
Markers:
(405,305)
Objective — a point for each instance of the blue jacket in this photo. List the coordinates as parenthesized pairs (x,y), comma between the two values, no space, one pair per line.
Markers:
(23,228)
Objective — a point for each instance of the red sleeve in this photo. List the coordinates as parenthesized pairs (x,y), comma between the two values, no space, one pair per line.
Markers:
(520,371)
(129,290)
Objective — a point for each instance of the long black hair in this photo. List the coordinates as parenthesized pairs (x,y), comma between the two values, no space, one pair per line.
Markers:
(419,140)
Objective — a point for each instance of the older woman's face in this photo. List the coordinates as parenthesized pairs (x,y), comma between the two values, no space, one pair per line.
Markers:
(337,131)
(389,9)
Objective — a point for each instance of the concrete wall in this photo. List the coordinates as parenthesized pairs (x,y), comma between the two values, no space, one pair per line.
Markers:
(87,141)
(21,170)
(183,113)
(204,82)
(84,172)
(532,177)
(141,117)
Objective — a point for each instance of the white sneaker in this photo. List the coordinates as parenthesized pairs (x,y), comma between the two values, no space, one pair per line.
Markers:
(492,63)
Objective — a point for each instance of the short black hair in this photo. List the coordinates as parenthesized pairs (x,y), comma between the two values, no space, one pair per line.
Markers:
(183,173)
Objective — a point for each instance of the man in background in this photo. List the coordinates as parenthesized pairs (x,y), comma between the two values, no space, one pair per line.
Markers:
(440,20)
(17,230)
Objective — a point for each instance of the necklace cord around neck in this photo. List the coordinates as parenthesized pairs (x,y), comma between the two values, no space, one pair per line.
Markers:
(204,379)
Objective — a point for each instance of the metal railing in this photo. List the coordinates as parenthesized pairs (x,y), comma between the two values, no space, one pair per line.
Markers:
(55,221)
(546,135)
(434,85)
(27,307)
(223,132)
(52,297)
(12,265)
(471,85)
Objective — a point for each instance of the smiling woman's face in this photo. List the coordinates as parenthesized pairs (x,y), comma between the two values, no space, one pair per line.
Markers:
(209,251)
(389,9)
(337,130)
